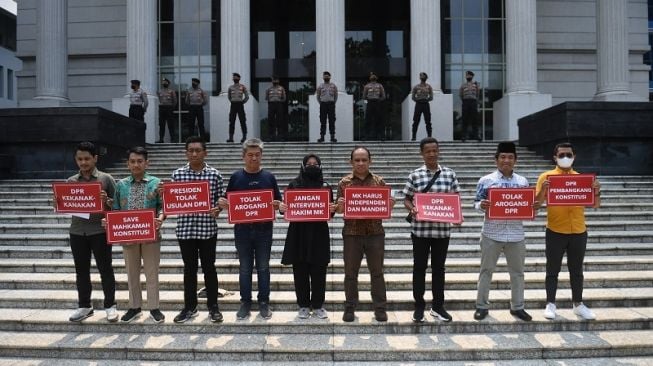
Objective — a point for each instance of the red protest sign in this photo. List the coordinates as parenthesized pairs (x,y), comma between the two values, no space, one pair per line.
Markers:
(186,197)
(511,203)
(570,190)
(307,204)
(367,203)
(78,197)
(131,226)
(250,206)
(438,207)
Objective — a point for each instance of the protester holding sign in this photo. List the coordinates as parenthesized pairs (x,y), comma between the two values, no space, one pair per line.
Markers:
(502,236)
(88,236)
(253,240)
(429,236)
(565,232)
(197,232)
(139,191)
(362,237)
(307,246)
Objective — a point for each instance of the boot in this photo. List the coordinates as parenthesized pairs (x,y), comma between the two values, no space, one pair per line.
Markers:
(333,138)
(429,130)
(321,139)
(231,138)
(244,138)
(414,136)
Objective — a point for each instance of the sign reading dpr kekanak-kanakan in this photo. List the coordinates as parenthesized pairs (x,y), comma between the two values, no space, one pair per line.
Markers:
(186,197)
(78,197)
(570,190)
(250,206)
(307,204)
(511,203)
(367,203)
(131,226)
(438,207)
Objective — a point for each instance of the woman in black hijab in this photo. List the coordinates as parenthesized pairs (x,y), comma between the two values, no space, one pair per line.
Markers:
(307,246)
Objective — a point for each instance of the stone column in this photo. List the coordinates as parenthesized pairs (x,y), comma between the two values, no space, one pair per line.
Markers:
(425,56)
(52,52)
(234,57)
(522,97)
(613,79)
(330,56)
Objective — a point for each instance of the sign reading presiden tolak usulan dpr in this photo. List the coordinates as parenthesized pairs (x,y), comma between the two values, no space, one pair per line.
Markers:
(131,226)
(438,207)
(246,207)
(511,203)
(78,197)
(186,197)
(307,204)
(367,203)
(570,190)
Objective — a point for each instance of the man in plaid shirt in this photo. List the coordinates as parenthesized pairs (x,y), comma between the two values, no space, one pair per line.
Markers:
(430,237)
(197,233)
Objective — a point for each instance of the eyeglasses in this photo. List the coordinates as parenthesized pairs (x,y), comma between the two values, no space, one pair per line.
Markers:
(565,155)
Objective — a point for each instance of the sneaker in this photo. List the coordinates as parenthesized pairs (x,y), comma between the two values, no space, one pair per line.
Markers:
(130,315)
(349,314)
(440,314)
(418,316)
(80,314)
(157,316)
(550,311)
(264,310)
(584,312)
(185,315)
(244,310)
(380,315)
(321,313)
(304,313)
(215,315)
(201,293)
(112,314)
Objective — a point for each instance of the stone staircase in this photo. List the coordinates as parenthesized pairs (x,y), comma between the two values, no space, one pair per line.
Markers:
(37,282)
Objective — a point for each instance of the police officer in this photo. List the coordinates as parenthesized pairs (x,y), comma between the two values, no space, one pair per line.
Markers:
(470,92)
(374,95)
(238,96)
(422,94)
(276,97)
(137,101)
(327,96)
(167,103)
(196,98)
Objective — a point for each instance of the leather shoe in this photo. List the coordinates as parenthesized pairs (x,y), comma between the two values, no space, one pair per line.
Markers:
(521,314)
(480,314)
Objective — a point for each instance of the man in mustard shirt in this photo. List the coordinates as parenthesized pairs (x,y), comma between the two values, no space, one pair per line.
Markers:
(565,232)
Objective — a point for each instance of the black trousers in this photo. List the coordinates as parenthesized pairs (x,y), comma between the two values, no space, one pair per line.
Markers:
(137,112)
(82,246)
(438,247)
(374,119)
(237,109)
(328,110)
(205,249)
(556,245)
(276,119)
(310,284)
(470,120)
(422,108)
(197,112)
(166,116)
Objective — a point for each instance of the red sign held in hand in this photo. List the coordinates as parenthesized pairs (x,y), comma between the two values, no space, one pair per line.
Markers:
(246,207)
(186,197)
(511,203)
(570,190)
(438,207)
(78,197)
(367,203)
(307,204)
(131,226)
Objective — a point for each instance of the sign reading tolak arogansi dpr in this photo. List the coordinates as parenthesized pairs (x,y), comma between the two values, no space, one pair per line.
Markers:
(186,197)
(511,203)
(250,206)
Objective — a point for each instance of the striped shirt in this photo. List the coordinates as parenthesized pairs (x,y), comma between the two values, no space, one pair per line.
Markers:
(500,230)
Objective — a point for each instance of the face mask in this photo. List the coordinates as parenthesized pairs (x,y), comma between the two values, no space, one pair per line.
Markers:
(165,85)
(565,163)
(275,83)
(312,171)
(195,85)
(134,87)
(423,79)
(469,79)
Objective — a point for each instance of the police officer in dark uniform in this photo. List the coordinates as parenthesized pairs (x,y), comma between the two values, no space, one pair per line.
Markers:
(137,101)
(167,104)
(374,95)
(470,92)
(238,96)
(422,94)
(196,98)
(276,97)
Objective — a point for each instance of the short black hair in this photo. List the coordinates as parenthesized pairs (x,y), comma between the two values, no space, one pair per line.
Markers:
(326,73)
(563,145)
(86,146)
(195,80)
(427,140)
(138,150)
(194,139)
(369,154)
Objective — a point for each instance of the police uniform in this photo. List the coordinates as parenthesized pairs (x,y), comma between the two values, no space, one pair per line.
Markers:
(374,94)
(238,96)
(469,93)
(276,97)
(167,103)
(196,98)
(422,94)
(137,102)
(327,96)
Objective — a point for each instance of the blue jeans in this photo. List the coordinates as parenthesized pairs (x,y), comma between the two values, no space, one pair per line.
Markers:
(254,241)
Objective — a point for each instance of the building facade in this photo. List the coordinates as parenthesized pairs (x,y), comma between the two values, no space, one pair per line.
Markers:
(527,55)
(9,63)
